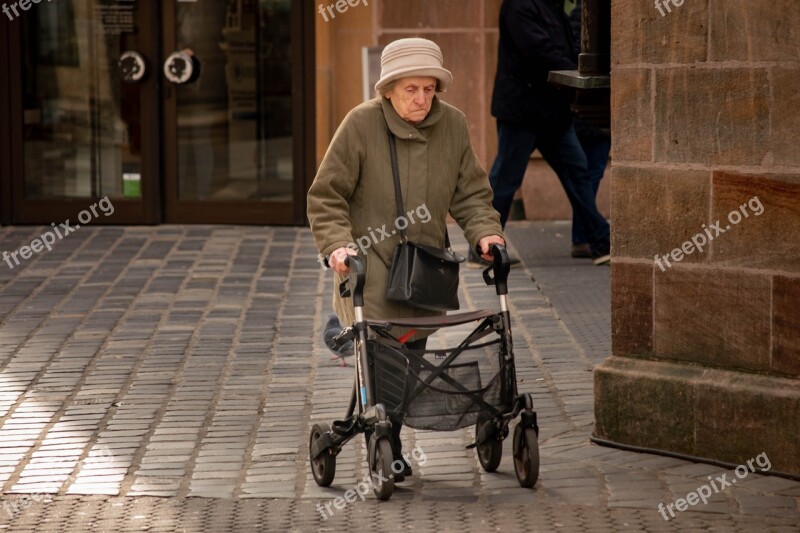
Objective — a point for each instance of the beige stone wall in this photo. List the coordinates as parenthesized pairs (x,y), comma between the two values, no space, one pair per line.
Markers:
(705,117)
(338,65)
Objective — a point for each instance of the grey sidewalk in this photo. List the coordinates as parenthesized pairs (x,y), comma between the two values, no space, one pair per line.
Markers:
(166,378)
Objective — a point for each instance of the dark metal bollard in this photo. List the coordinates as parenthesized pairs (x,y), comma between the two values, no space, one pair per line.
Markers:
(593,77)
(595,56)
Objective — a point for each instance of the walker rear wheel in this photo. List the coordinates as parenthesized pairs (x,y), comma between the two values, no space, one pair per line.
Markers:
(490,452)
(324,466)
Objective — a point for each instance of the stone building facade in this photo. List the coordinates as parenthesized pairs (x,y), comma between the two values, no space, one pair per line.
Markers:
(705,122)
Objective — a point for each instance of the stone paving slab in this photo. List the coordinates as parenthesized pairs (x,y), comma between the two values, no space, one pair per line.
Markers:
(167,378)
(189,515)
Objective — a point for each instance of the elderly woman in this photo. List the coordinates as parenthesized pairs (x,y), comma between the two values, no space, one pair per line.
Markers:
(353,193)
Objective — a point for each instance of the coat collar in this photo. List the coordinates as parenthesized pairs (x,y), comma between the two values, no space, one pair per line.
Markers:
(405,130)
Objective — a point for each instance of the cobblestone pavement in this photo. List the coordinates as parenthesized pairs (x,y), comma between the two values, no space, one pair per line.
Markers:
(581,295)
(166,378)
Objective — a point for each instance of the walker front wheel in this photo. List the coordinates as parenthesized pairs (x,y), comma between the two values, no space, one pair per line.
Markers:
(526,456)
(380,467)
(324,466)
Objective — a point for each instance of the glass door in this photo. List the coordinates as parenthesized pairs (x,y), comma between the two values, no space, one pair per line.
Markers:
(186,111)
(234,150)
(87,84)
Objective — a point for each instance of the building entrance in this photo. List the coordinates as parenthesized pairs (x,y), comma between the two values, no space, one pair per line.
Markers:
(177,111)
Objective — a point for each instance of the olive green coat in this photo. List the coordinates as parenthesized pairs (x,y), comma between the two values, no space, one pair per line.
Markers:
(353,193)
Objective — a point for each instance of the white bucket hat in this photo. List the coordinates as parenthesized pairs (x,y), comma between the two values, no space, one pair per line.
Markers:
(413,57)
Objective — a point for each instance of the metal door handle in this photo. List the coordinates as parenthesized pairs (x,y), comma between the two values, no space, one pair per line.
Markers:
(181,67)
(132,66)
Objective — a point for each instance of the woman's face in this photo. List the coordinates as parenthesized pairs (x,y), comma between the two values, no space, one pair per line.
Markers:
(412,98)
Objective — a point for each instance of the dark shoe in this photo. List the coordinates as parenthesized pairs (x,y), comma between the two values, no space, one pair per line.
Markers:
(332,328)
(401,476)
(397,453)
(474,261)
(581,251)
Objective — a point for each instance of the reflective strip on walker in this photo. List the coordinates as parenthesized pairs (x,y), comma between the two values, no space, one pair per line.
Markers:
(363,396)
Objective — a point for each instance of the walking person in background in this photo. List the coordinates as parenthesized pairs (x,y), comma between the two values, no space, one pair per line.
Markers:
(354,193)
(535,38)
(596,144)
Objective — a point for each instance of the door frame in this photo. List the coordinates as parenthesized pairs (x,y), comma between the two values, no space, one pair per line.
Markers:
(303,137)
(6,215)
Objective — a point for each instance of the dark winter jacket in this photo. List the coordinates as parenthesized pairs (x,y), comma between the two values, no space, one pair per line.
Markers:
(535,38)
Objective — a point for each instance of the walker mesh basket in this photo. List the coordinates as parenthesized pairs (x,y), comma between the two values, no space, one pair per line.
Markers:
(475,381)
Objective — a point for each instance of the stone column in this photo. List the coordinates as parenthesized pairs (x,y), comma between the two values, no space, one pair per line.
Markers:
(706,135)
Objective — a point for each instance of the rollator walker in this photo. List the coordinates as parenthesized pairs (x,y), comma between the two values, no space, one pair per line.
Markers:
(473,383)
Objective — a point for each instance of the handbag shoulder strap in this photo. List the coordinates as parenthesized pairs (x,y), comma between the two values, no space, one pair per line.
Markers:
(398,193)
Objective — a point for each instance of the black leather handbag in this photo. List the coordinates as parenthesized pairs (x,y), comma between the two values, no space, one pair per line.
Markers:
(421,276)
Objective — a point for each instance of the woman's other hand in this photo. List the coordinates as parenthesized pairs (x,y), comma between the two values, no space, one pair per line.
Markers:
(336,260)
(485,245)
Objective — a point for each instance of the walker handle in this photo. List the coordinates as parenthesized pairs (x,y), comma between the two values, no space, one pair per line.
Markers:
(356,281)
(500,266)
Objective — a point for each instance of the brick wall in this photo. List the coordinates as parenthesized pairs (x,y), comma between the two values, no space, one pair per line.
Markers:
(705,116)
